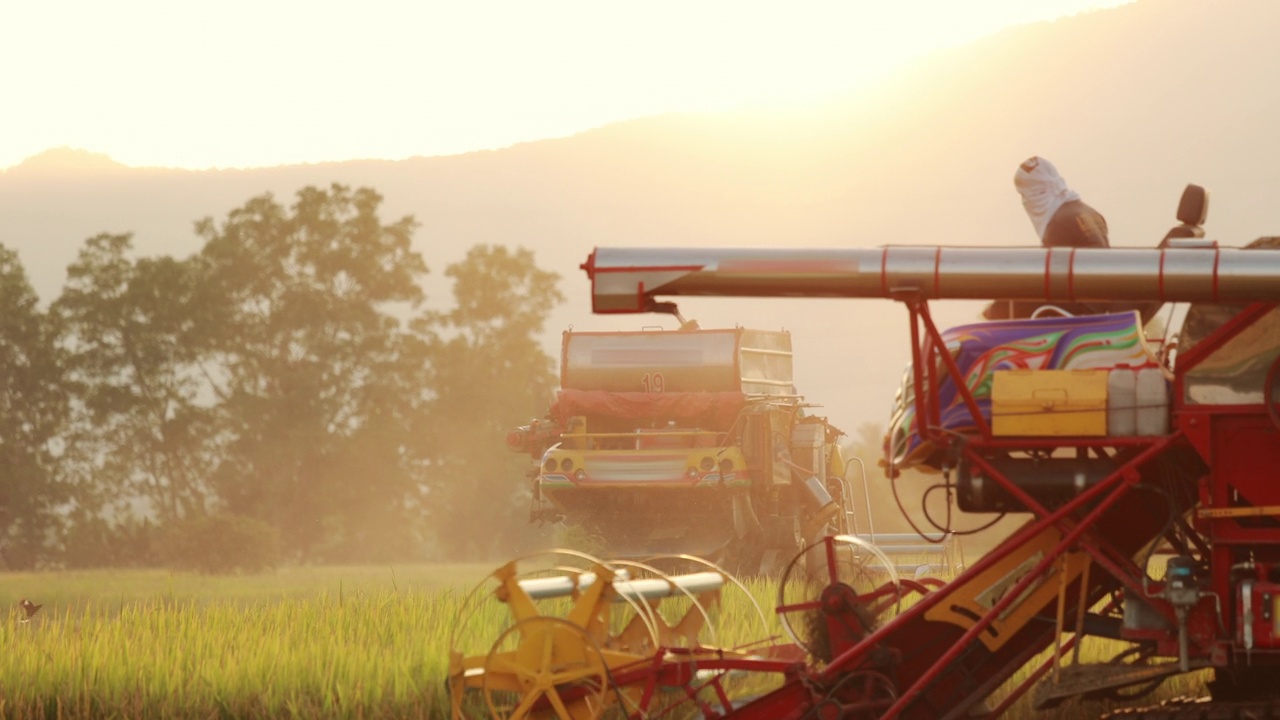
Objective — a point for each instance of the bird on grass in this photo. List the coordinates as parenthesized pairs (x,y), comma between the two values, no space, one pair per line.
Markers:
(30,608)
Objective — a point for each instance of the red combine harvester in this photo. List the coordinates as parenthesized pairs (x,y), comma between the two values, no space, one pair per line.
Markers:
(1173,455)
(686,441)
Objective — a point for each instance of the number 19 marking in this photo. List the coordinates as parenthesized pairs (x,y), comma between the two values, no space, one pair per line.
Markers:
(653,382)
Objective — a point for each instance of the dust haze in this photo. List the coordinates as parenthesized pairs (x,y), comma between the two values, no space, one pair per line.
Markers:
(1131,103)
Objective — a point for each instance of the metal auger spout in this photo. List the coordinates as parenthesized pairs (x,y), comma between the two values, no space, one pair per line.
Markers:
(627,280)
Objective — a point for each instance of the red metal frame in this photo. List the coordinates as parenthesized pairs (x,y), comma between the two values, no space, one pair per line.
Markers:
(972,447)
(1209,427)
(1077,520)
(1014,593)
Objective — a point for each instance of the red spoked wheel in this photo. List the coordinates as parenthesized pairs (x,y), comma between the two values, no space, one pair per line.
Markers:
(858,695)
(857,588)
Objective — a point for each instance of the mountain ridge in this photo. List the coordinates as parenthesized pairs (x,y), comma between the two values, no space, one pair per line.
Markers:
(1131,103)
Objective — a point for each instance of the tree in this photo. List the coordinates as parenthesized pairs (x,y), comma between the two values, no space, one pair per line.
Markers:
(33,410)
(269,383)
(317,381)
(490,374)
(144,429)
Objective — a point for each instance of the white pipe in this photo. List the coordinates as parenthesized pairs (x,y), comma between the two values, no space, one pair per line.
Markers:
(629,279)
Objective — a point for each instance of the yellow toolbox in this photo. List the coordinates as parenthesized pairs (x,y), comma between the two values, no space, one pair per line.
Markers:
(1049,403)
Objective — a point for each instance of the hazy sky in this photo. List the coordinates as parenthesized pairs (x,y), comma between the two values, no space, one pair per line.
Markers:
(238,83)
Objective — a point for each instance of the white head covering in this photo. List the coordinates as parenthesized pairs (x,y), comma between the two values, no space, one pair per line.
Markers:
(1043,191)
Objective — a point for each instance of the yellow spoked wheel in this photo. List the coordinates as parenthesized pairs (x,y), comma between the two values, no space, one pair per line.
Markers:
(545,667)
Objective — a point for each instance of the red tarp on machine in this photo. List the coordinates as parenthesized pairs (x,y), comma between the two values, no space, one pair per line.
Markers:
(701,409)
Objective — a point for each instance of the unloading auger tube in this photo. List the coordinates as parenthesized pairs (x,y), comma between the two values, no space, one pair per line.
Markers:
(626,280)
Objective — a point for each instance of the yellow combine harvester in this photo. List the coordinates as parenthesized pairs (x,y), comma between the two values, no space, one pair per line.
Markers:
(686,441)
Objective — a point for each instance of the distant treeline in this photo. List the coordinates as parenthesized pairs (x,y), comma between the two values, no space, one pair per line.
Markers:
(284,394)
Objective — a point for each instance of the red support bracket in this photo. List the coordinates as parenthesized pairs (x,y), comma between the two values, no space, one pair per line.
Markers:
(1014,593)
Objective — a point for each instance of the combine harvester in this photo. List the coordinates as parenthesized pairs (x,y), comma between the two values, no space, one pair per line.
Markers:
(1151,478)
(688,441)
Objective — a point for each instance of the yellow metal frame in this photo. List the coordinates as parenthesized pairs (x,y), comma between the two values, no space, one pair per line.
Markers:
(552,654)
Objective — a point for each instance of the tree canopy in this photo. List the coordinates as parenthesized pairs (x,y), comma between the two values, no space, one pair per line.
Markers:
(290,376)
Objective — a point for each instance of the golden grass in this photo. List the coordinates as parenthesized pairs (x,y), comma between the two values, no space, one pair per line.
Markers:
(371,656)
(328,642)
(305,643)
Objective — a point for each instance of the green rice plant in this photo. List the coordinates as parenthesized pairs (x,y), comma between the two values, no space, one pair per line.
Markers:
(318,642)
(373,655)
(328,642)
(303,643)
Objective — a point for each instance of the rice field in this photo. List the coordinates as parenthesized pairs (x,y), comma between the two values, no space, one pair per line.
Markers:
(336,642)
(332,642)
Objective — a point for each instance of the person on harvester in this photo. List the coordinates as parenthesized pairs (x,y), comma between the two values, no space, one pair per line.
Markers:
(1060,217)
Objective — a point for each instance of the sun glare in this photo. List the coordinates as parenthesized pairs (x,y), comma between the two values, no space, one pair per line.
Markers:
(240,83)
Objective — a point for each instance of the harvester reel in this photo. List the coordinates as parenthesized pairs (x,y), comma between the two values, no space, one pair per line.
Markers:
(559,563)
(534,594)
(859,578)
(692,562)
(545,667)
(566,563)
(667,636)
